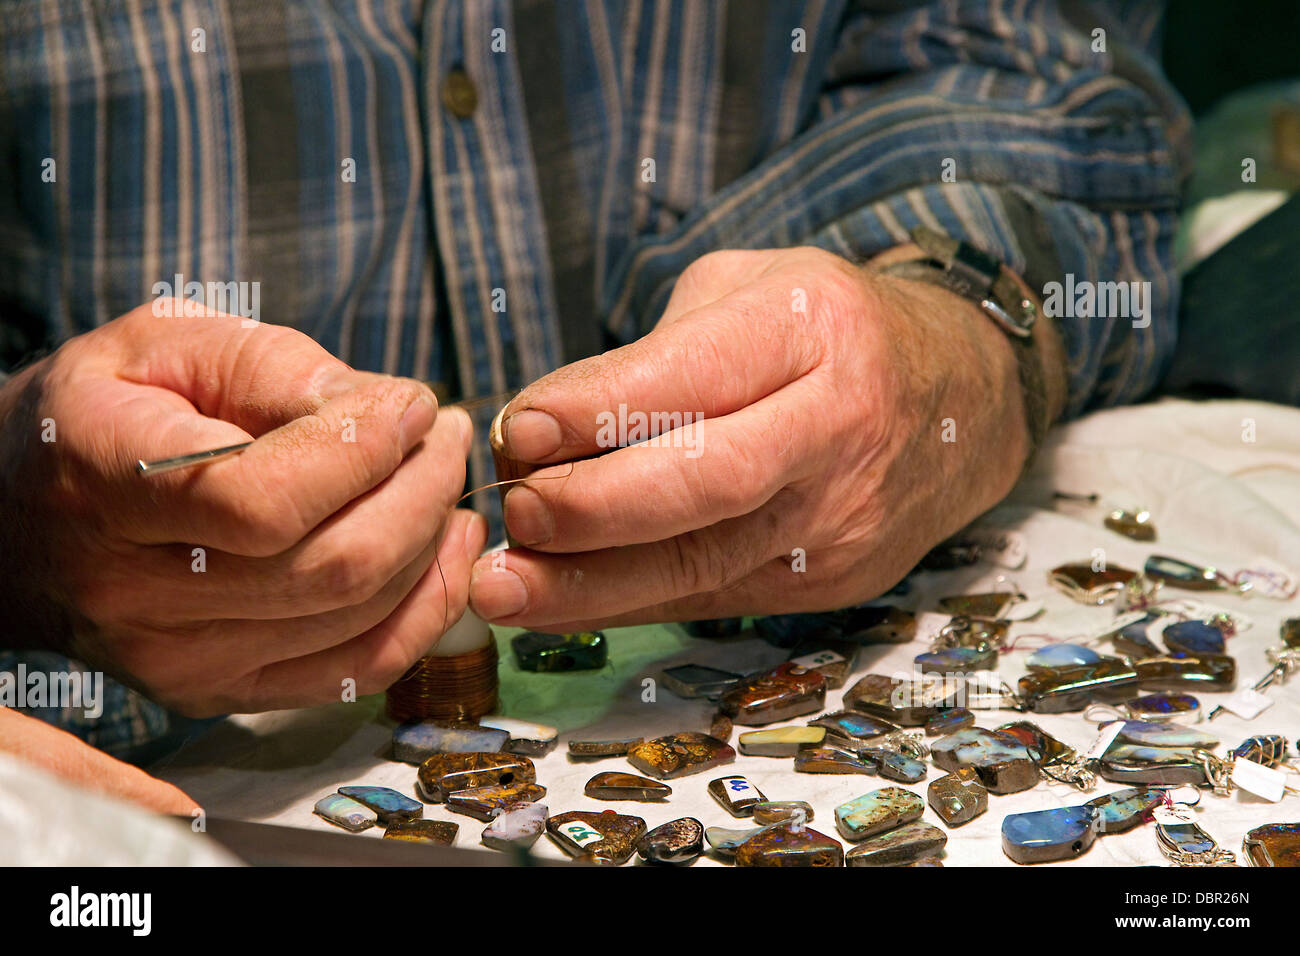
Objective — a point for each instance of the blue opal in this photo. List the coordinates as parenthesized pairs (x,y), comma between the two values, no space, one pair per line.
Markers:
(1133,641)
(391,806)
(1188,837)
(1003,765)
(1193,637)
(1158,706)
(415,742)
(1061,655)
(1044,836)
(949,722)
(896,766)
(1150,733)
(1125,809)
(345,812)
(957,660)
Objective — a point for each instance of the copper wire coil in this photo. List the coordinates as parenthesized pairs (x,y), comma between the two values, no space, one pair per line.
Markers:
(459,687)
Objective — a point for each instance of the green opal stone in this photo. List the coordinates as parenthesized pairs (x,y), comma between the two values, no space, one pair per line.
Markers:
(586,651)
(781,741)
(679,755)
(444,774)
(676,842)
(485,803)
(787,844)
(607,838)
(905,846)
(958,797)
(876,812)
(436,832)
(613,785)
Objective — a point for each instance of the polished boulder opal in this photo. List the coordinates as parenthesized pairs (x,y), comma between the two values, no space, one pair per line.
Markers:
(949,722)
(781,741)
(391,806)
(778,811)
(1132,639)
(1003,765)
(736,794)
(1074,688)
(613,785)
(416,741)
(1193,637)
(1274,844)
(1161,766)
(846,728)
(876,812)
(587,651)
(1164,734)
(958,797)
(1163,707)
(1051,656)
(1178,671)
(526,737)
(603,748)
(896,766)
(957,660)
(1122,810)
(693,681)
(436,832)
(1040,744)
(990,605)
(485,803)
(779,694)
(1089,586)
(905,846)
(444,774)
(790,844)
(345,812)
(517,827)
(675,842)
(679,755)
(726,841)
(830,760)
(1045,836)
(605,837)
(904,703)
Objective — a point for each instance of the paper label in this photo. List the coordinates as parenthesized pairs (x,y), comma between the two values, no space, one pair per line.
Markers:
(1187,796)
(1105,737)
(1006,549)
(1247,703)
(820,659)
(581,834)
(1260,780)
(738,786)
(1174,815)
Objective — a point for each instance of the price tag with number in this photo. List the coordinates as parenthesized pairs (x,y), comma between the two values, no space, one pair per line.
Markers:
(820,659)
(581,834)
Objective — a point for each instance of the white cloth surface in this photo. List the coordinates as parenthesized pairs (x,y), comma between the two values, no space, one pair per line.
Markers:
(1215,499)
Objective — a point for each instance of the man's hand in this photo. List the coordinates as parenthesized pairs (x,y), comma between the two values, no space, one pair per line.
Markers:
(260,581)
(850,422)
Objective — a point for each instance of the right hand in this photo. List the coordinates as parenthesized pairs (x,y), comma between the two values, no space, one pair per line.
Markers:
(318,541)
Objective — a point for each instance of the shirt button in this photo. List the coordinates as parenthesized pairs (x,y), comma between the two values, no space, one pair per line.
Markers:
(459,95)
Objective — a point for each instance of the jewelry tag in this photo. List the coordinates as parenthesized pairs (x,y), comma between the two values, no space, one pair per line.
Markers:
(1268,579)
(1023,611)
(1260,780)
(1247,703)
(1105,737)
(1006,549)
(1174,815)
(820,659)
(1187,796)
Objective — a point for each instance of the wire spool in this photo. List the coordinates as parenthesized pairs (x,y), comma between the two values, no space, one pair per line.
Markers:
(457,681)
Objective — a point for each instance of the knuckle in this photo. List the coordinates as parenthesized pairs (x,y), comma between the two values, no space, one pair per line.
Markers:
(351,575)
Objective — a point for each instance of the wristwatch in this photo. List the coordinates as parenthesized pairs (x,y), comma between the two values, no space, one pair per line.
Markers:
(975,275)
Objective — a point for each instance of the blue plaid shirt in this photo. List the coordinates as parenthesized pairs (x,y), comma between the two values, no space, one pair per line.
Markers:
(531,177)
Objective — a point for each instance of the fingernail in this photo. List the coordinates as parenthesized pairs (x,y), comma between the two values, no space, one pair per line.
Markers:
(528,516)
(496,591)
(532,435)
(475,532)
(417,420)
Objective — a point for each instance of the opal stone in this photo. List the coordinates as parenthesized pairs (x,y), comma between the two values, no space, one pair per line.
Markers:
(720,726)
(1290,632)
(1186,837)
(781,741)
(905,703)
(958,797)
(675,842)
(877,811)
(693,681)
(904,846)
(957,660)
(444,774)
(1194,637)
(1122,810)
(830,760)
(436,832)
(391,806)
(1266,749)
(726,841)
(679,755)
(607,837)
(1170,766)
(1036,740)
(1061,655)
(586,651)
(1274,844)
(1003,765)
(832,659)
(1073,688)
(736,794)
(896,766)
(415,742)
(612,785)
(1181,574)
(1179,671)
(484,803)
(787,844)
(785,691)
(778,811)
(1163,707)
(990,605)
(517,827)
(1045,836)
(1083,584)
(949,722)
(603,748)
(345,812)
(1164,734)
(1132,639)
(845,725)
(526,737)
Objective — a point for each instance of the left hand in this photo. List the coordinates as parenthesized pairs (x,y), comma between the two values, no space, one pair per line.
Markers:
(823,435)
